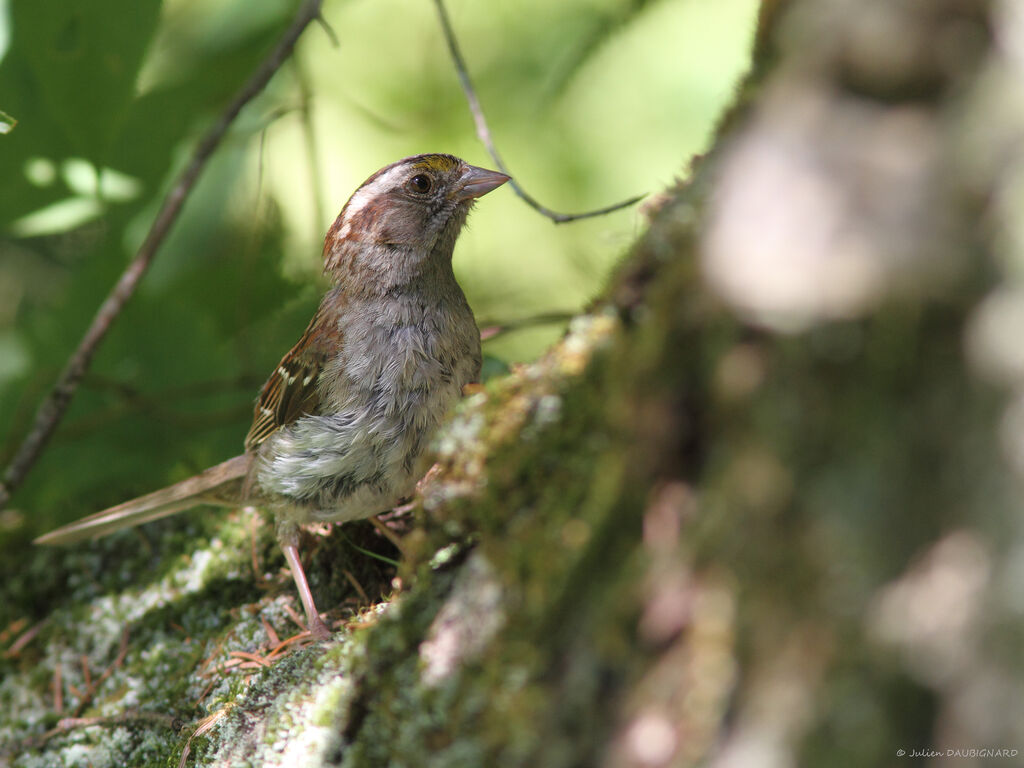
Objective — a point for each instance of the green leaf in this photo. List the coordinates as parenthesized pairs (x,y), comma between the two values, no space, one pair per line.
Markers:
(83,57)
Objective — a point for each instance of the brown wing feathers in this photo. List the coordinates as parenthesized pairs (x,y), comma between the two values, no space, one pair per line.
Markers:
(291,390)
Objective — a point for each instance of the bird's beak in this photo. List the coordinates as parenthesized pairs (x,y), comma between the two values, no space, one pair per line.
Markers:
(477,182)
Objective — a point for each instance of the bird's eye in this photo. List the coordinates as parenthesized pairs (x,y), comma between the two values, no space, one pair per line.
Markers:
(420,183)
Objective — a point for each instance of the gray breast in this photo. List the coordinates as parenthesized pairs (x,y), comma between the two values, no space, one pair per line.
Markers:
(397,375)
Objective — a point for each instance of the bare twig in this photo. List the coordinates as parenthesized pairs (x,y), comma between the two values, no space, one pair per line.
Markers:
(309,139)
(53,408)
(255,658)
(387,533)
(483,132)
(86,674)
(91,688)
(358,587)
(24,639)
(12,629)
(58,689)
(207,387)
(283,645)
(271,634)
(67,724)
(490,330)
(328,30)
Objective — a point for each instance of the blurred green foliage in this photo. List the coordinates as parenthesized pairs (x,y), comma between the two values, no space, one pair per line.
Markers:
(590,101)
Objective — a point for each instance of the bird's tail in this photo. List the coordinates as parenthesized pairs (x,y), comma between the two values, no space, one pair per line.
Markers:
(221,485)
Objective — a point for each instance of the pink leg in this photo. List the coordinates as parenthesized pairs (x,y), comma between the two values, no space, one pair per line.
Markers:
(288,538)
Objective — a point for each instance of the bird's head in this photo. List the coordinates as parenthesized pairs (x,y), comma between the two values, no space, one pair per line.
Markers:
(404,219)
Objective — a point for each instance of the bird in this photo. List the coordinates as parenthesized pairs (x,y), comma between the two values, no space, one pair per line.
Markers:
(340,427)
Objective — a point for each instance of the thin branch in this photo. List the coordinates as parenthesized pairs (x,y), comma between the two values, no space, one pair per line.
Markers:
(67,724)
(177,393)
(312,148)
(328,30)
(491,330)
(90,690)
(24,639)
(53,408)
(387,533)
(483,133)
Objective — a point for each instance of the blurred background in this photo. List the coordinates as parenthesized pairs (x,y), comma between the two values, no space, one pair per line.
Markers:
(590,102)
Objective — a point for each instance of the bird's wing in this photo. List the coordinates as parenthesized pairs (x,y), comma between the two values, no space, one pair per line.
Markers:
(291,390)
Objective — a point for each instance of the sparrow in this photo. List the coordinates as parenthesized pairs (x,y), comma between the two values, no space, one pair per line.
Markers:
(340,428)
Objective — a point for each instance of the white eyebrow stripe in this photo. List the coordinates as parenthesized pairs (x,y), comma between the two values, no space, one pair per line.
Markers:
(362,196)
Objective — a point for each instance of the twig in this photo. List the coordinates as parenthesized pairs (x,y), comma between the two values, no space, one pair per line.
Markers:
(282,645)
(490,330)
(387,533)
(86,674)
(231,385)
(295,617)
(328,30)
(484,133)
(271,634)
(23,640)
(58,690)
(312,148)
(53,408)
(358,587)
(70,723)
(122,652)
(206,692)
(12,629)
(253,657)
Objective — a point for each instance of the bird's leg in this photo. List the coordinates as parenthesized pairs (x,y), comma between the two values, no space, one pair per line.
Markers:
(288,538)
